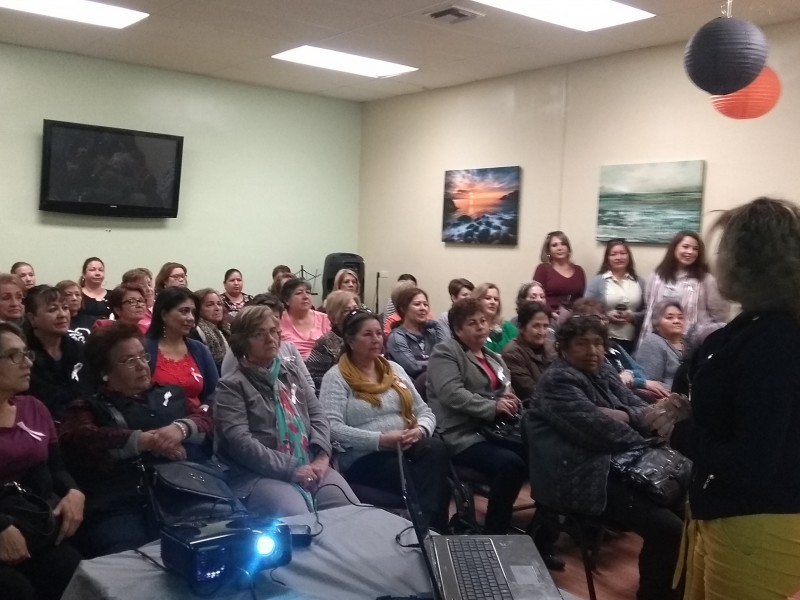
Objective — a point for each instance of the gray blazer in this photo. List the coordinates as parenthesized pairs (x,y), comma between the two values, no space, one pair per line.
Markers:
(245,434)
(460,394)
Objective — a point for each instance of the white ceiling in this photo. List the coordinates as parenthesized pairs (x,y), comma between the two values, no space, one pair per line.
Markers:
(234,39)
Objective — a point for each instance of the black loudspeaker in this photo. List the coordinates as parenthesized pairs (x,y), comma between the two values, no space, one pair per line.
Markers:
(337,261)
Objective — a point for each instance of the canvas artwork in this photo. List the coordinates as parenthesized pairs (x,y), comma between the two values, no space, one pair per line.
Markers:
(481,206)
(650,203)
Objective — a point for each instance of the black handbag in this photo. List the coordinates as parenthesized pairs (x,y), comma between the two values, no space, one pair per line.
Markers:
(31,514)
(186,492)
(661,473)
(505,432)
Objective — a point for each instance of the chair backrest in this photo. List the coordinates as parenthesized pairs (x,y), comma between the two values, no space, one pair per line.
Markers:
(420,383)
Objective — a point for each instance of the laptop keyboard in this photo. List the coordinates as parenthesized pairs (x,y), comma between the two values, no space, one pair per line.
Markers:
(478,571)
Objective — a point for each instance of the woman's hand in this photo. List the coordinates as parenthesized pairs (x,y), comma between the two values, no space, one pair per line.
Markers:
(13,548)
(320,465)
(663,415)
(166,441)
(617,415)
(618,317)
(657,388)
(627,378)
(390,439)
(70,509)
(507,406)
(306,478)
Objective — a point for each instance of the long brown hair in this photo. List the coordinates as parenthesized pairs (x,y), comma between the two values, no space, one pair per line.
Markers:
(668,267)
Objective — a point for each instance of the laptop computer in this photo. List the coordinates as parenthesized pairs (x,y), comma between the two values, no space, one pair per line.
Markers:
(483,567)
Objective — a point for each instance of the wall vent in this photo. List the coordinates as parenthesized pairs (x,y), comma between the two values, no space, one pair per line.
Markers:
(452,15)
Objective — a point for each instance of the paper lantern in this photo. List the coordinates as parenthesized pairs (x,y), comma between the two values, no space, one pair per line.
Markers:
(753,101)
(725,55)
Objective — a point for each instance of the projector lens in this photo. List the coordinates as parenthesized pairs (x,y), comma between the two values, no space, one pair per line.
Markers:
(265,545)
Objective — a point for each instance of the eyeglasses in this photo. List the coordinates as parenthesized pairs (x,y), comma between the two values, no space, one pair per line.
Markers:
(134,302)
(18,357)
(178,277)
(131,361)
(263,334)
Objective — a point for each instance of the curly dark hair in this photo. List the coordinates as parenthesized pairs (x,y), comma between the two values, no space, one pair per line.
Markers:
(578,325)
(97,350)
(529,309)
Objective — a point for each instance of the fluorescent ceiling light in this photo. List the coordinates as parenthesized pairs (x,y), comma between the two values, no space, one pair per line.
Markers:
(341,61)
(83,11)
(583,15)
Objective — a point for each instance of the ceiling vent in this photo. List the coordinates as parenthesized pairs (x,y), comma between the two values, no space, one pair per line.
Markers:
(452,15)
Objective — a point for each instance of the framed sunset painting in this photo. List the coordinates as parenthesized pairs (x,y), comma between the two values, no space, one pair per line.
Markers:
(481,206)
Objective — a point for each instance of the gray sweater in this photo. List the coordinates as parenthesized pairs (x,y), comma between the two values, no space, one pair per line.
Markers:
(356,425)
(658,359)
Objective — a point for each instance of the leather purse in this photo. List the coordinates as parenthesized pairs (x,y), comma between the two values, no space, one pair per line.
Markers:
(661,473)
(31,514)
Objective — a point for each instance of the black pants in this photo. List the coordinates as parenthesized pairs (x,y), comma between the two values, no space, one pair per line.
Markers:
(506,472)
(42,577)
(660,529)
(102,533)
(428,469)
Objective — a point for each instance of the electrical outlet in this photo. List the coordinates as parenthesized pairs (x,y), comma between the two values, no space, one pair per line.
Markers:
(383,274)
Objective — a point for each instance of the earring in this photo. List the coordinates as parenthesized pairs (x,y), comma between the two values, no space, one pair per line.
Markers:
(104,378)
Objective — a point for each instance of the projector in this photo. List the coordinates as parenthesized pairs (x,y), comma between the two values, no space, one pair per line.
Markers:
(206,554)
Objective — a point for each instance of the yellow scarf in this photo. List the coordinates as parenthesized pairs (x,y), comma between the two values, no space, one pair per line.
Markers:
(370,392)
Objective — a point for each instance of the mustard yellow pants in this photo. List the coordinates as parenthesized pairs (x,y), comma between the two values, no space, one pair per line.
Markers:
(755,557)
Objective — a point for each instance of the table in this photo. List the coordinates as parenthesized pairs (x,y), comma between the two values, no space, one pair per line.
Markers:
(355,557)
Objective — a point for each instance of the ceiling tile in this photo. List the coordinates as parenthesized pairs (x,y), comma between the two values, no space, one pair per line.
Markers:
(373,90)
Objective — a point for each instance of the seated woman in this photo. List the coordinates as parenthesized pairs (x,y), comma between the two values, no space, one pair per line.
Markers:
(171,274)
(531,291)
(468,387)
(56,372)
(94,295)
(456,289)
(301,324)
(30,456)
(581,415)
(143,278)
(176,359)
(212,329)
(12,291)
(661,351)
(25,273)
(270,429)
(347,280)
(531,352)
(103,453)
(373,408)
(501,331)
(80,324)
(412,339)
(233,298)
(328,348)
(128,303)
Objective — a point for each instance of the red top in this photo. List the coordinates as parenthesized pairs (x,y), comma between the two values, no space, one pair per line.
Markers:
(184,373)
(558,289)
(493,380)
(26,443)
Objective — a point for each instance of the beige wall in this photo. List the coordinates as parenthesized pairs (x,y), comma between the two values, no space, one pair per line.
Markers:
(560,125)
(268,176)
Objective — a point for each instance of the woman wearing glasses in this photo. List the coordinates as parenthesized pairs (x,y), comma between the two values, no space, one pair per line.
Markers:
(125,417)
(128,304)
(374,408)
(270,429)
(175,358)
(95,301)
(41,566)
(171,274)
(563,280)
(621,290)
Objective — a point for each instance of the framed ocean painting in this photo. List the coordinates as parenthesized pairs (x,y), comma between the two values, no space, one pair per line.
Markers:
(649,203)
(481,206)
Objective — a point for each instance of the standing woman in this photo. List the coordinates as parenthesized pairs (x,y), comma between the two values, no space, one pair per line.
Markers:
(743,424)
(176,359)
(94,294)
(212,329)
(25,272)
(563,280)
(501,331)
(56,372)
(172,274)
(683,276)
(233,298)
(412,339)
(301,324)
(621,290)
(12,291)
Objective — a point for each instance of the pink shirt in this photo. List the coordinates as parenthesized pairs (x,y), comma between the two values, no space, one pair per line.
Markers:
(27,442)
(304,343)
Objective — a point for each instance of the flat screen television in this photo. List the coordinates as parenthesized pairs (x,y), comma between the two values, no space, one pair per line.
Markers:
(94,170)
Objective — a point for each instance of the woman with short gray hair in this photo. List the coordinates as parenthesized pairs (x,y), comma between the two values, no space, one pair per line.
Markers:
(270,429)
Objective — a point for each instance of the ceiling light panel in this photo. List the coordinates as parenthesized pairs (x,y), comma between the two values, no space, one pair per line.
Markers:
(583,15)
(342,61)
(82,11)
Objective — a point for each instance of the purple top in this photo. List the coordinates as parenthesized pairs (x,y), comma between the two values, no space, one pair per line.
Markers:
(558,289)
(26,444)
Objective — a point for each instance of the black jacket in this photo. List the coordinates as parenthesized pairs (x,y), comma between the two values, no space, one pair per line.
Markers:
(56,383)
(744,432)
